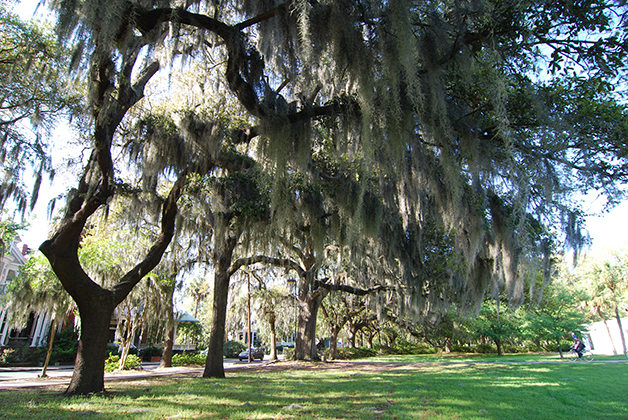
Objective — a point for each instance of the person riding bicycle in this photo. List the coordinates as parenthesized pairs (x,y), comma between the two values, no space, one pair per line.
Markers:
(578,346)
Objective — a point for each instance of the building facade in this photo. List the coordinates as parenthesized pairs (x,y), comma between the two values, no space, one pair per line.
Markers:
(605,337)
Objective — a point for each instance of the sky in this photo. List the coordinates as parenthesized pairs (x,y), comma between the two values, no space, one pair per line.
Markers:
(609,230)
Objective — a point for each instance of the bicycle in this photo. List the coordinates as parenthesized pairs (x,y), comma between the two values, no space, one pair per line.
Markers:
(587,356)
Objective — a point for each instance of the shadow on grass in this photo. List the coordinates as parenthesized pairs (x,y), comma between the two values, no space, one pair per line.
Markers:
(465,392)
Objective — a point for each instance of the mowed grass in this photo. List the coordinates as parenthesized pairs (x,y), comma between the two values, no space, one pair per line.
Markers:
(351,391)
(484,358)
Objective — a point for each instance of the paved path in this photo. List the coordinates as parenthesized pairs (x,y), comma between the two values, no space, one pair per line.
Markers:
(28,377)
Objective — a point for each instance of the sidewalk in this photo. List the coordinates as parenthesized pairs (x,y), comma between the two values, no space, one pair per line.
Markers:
(28,377)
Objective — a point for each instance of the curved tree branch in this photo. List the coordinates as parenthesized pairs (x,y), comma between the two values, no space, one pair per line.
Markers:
(168,216)
(349,289)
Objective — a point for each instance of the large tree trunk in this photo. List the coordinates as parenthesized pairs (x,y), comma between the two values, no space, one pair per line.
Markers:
(305,345)
(89,370)
(352,332)
(214,367)
(95,303)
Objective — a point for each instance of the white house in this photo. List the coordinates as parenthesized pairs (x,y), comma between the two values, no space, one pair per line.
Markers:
(600,340)
(35,333)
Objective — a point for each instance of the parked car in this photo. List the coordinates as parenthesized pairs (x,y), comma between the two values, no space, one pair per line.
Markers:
(256,353)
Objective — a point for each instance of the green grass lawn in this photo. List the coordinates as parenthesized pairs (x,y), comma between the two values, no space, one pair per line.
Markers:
(483,358)
(366,391)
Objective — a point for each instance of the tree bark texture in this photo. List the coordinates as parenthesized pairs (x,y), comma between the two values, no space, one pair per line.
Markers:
(309,303)
(89,369)
(273,337)
(214,367)
(166,356)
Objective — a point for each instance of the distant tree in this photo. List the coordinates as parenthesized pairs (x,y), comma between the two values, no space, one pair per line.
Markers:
(198,290)
(272,303)
(335,315)
(556,316)
(498,324)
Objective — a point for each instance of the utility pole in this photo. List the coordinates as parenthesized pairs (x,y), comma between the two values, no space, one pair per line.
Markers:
(248,284)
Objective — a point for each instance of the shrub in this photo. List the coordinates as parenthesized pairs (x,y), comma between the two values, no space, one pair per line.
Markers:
(186,359)
(485,348)
(113,349)
(37,356)
(288,353)
(511,348)
(150,351)
(65,346)
(457,348)
(232,348)
(408,347)
(7,356)
(348,353)
(113,362)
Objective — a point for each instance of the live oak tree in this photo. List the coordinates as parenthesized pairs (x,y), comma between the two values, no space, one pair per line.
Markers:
(235,200)
(438,104)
